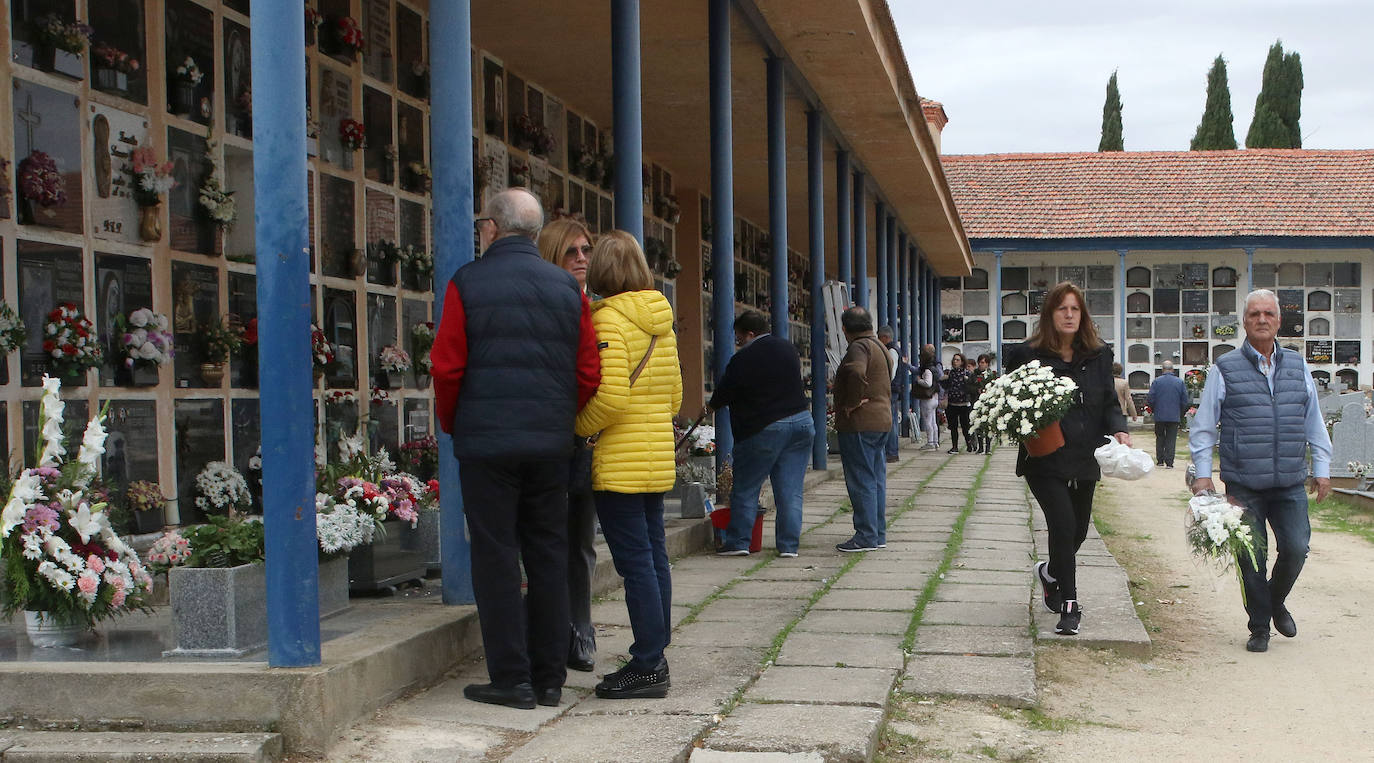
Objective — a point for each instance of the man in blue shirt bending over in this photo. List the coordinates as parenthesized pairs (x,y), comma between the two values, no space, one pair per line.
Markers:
(1264,399)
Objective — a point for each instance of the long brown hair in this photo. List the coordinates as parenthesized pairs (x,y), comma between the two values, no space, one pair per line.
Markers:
(1045,337)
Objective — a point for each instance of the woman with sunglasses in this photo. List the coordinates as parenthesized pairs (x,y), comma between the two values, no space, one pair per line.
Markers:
(567,243)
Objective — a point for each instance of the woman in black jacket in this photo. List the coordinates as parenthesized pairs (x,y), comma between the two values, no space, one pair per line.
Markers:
(959,403)
(1063,481)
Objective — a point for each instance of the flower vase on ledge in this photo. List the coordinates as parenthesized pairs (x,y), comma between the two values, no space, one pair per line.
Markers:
(150,222)
(212,373)
(44,631)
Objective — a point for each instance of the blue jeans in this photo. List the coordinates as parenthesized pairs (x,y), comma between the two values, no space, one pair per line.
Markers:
(1285,508)
(893,437)
(865,477)
(633,526)
(780,452)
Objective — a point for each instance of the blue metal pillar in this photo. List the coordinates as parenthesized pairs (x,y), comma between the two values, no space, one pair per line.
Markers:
(625,103)
(845,240)
(860,241)
(913,300)
(815,197)
(722,210)
(889,256)
(904,316)
(997,302)
(880,246)
(937,329)
(283,293)
(1121,300)
(450,29)
(918,278)
(1249,274)
(777,195)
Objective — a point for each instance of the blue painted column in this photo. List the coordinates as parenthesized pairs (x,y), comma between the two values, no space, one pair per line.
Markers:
(815,198)
(918,277)
(904,316)
(777,195)
(880,253)
(860,241)
(1121,301)
(722,211)
(997,302)
(913,300)
(1249,274)
(629,151)
(937,332)
(890,257)
(450,38)
(844,222)
(280,217)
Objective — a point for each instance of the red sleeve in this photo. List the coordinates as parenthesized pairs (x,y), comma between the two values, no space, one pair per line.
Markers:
(449,357)
(588,358)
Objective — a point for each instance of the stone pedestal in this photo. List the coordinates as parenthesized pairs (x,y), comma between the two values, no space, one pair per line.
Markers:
(333,585)
(218,612)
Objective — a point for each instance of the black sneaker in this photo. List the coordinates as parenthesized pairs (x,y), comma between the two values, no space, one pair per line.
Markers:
(1069,618)
(628,683)
(953,451)
(852,546)
(1049,589)
(1259,642)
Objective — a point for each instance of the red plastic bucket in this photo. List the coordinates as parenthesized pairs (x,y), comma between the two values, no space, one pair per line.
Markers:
(720,519)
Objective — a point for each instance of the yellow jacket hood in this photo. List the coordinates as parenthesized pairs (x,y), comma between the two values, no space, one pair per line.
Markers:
(648,310)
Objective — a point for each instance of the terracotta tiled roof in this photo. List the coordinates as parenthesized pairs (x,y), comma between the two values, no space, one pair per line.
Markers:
(1262,192)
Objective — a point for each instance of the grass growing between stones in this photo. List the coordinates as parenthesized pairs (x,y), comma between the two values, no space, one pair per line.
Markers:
(719,592)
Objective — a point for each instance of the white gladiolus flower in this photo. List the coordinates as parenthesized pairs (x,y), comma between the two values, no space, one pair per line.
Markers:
(92,443)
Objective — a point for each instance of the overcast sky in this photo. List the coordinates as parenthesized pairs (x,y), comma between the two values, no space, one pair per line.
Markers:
(1018,76)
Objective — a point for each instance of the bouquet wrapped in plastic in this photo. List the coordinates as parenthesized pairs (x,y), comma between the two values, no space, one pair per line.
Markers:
(1218,532)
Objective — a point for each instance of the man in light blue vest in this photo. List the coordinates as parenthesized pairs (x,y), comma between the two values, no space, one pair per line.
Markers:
(1266,403)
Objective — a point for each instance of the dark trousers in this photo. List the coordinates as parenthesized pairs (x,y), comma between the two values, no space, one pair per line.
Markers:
(581,562)
(633,526)
(958,416)
(1285,509)
(1068,509)
(518,511)
(1166,437)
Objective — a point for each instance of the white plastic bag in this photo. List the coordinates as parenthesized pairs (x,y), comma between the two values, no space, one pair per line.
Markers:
(1122,461)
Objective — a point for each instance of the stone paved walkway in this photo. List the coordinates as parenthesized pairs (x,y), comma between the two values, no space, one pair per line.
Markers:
(785,659)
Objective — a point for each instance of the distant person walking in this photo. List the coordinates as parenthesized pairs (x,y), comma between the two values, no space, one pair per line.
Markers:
(925,387)
(1169,400)
(959,402)
(982,377)
(1123,392)
(771,420)
(862,420)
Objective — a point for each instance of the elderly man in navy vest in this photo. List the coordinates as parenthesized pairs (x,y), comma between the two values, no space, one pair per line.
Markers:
(514,359)
(1266,403)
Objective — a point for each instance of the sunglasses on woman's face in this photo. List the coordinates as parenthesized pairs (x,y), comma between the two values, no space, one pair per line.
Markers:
(573,251)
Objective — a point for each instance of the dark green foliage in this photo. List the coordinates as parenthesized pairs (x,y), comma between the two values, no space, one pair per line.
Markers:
(225,542)
(1278,107)
(1215,132)
(1111,119)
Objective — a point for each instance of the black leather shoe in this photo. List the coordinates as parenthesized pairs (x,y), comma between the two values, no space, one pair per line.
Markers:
(582,652)
(1259,642)
(549,697)
(519,696)
(1283,622)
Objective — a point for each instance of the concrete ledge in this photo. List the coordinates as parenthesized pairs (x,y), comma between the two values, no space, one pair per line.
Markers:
(130,746)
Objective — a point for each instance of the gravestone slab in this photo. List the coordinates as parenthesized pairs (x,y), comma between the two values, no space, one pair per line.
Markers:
(1352,439)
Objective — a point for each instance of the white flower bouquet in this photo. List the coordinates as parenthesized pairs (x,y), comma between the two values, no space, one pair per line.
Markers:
(1023,402)
(222,490)
(1217,532)
(60,555)
(340,526)
(13,333)
(394,360)
(146,338)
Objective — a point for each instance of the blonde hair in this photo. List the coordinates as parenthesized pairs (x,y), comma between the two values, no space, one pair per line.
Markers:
(617,266)
(560,234)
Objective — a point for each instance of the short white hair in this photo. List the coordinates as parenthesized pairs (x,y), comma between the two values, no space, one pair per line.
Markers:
(1262,294)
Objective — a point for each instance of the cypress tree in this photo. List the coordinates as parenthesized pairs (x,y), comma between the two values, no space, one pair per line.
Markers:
(1111,119)
(1278,107)
(1215,132)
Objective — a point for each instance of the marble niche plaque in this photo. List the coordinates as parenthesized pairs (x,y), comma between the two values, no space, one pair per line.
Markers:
(49,275)
(1195,301)
(131,449)
(123,285)
(47,120)
(115,134)
(199,426)
(195,294)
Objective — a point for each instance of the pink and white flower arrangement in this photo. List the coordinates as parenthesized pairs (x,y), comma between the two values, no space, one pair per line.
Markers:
(189,72)
(394,360)
(110,57)
(380,396)
(151,177)
(340,397)
(60,554)
(169,550)
(222,490)
(321,349)
(403,493)
(147,338)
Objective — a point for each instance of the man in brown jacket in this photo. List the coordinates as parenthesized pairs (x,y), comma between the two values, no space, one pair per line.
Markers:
(863,417)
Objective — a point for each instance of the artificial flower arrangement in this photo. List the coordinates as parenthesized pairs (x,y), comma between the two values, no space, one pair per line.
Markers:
(219,341)
(394,360)
(110,57)
(537,138)
(417,259)
(1195,380)
(350,34)
(13,332)
(383,251)
(189,72)
(313,18)
(61,556)
(70,36)
(352,133)
(151,177)
(1226,330)
(1023,402)
(667,207)
(340,397)
(380,396)
(143,495)
(69,338)
(421,456)
(1217,533)
(171,549)
(146,338)
(222,490)
(422,341)
(519,173)
(40,182)
(221,542)
(368,486)
(217,202)
(322,351)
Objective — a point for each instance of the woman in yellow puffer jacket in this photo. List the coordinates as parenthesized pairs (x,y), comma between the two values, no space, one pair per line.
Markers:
(633,463)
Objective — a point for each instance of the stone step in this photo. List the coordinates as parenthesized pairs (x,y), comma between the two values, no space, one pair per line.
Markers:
(100,746)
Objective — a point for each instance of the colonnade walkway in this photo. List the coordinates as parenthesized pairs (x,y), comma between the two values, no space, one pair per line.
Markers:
(795,657)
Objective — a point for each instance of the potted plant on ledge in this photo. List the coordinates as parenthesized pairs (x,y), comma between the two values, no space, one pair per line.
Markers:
(151,179)
(218,342)
(145,501)
(58,45)
(421,342)
(392,362)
